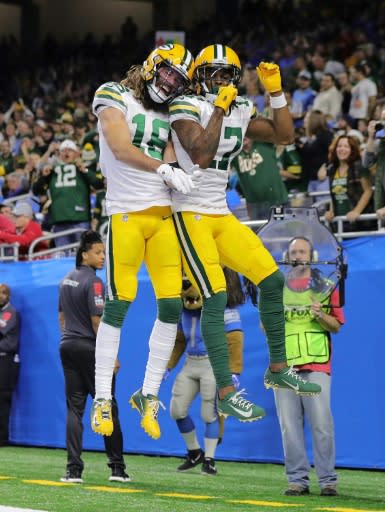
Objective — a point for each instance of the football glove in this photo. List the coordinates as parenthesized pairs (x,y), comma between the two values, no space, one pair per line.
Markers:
(196,175)
(226,96)
(176,178)
(270,76)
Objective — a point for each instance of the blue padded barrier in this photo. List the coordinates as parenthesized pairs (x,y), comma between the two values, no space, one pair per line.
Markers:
(38,417)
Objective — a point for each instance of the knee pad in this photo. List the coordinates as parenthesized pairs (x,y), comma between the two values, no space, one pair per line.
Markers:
(169,310)
(115,311)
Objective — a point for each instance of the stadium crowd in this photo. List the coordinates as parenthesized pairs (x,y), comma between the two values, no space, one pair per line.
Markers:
(332,62)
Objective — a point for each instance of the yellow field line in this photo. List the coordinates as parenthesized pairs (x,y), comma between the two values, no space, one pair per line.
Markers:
(47,482)
(111,489)
(185,496)
(121,490)
(265,503)
(91,487)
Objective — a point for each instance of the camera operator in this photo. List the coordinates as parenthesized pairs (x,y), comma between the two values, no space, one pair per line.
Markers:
(375,154)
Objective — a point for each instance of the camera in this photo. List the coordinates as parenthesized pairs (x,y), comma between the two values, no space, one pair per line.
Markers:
(380,125)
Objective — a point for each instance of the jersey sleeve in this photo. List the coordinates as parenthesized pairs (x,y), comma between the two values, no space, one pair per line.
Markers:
(184,107)
(232,320)
(109,94)
(96,297)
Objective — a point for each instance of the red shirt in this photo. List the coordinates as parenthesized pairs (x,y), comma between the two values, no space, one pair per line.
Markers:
(6,224)
(31,231)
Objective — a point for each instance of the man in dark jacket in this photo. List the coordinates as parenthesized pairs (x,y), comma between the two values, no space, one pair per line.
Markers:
(9,358)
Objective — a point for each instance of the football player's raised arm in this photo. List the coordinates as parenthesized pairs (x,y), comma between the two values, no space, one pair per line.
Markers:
(282,124)
(118,138)
(280,130)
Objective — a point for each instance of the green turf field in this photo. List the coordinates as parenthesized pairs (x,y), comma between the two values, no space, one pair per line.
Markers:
(29,477)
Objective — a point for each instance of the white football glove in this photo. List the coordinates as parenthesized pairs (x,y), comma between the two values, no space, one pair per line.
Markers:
(176,178)
(196,175)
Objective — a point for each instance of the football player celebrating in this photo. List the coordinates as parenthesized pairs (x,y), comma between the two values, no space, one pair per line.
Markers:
(134,130)
(208,130)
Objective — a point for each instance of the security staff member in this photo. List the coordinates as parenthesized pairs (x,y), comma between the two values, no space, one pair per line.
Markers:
(81,302)
(9,358)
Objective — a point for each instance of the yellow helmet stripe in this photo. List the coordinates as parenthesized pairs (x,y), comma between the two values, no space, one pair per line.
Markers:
(219,51)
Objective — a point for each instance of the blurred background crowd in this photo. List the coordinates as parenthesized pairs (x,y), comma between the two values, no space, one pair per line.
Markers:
(332,59)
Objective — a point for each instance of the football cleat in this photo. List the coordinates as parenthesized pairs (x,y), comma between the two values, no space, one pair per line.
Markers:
(233,404)
(101,417)
(194,457)
(289,378)
(208,467)
(148,408)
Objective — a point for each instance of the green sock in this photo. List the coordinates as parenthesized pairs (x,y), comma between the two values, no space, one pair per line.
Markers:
(272,315)
(213,333)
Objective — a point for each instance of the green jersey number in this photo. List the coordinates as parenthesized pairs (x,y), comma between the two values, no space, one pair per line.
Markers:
(230,133)
(158,140)
(65,176)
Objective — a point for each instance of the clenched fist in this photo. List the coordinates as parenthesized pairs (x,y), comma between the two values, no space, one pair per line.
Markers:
(270,76)
(226,96)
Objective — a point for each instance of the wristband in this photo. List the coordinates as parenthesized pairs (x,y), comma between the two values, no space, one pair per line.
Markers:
(278,101)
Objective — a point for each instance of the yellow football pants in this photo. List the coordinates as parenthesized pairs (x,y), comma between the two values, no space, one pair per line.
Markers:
(211,241)
(147,236)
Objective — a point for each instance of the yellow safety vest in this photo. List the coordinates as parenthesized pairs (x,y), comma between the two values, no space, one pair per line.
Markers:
(306,340)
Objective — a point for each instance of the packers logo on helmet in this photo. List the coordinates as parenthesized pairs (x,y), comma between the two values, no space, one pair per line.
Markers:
(163,62)
(210,61)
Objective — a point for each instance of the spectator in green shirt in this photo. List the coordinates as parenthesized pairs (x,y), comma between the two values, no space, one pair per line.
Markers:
(258,170)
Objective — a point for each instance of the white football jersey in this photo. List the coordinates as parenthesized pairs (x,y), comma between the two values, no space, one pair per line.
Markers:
(210,197)
(130,189)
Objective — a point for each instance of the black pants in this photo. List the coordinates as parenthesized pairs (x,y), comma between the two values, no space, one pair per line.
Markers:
(78,360)
(9,373)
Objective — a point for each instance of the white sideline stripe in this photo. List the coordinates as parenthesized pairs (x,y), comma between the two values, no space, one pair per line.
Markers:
(13,509)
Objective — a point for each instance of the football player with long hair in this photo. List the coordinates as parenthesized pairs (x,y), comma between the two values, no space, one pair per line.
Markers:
(134,129)
(208,130)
